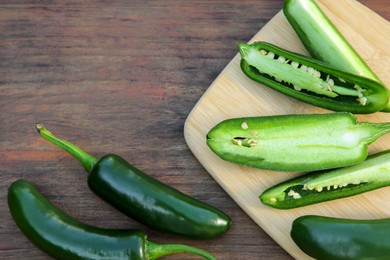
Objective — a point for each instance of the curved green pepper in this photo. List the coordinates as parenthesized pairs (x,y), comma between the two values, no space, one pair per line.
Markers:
(63,237)
(336,238)
(305,142)
(310,80)
(322,39)
(311,188)
(144,198)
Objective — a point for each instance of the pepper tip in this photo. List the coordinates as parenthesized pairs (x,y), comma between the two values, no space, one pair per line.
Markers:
(244,49)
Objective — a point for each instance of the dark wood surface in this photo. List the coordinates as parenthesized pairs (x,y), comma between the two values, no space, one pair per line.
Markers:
(119,77)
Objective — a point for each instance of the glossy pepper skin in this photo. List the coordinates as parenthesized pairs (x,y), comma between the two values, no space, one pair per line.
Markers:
(323,40)
(153,203)
(337,238)
(144,198)
(63,237)
(310,80)
(302,142)
(316,187)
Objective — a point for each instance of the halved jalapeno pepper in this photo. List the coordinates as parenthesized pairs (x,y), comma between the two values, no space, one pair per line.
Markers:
(322,186)
(303,142)
(310,80)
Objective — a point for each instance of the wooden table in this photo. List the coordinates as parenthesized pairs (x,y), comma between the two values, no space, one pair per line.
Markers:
(119,77)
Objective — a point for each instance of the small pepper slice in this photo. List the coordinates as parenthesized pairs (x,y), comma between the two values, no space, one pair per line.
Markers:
(64,237)
(339,238)
(323,40)
(303,142)
(144,198)
(310,80)
(316,187)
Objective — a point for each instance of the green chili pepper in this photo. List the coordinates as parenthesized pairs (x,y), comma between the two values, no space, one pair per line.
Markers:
(321,186)
(310,80)
(336,238)
(144,198)
(305,142)
(322,39)
(63,237)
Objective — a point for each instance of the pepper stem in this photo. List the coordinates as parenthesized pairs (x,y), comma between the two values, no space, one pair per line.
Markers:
(374,130)
(85,159)
(155,251)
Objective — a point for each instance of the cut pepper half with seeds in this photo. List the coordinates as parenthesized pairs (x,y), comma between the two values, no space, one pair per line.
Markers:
(322,186)
(301,142)
(310,80)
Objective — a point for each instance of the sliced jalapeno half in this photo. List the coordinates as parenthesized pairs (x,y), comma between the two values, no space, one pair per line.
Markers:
(322,186)
(322,39)
(302,142)
(310,80)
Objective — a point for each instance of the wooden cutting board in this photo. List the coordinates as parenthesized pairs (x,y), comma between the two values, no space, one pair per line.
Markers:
(232,94)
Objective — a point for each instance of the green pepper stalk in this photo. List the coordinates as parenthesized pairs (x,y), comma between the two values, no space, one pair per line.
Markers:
(63,237)
(303,142)
(316,187)
(339,238)
(144,198)
(323,41)
(310,80)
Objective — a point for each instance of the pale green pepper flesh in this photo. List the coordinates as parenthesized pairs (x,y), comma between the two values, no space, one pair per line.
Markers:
(295,142)
(310,80)
(322,186)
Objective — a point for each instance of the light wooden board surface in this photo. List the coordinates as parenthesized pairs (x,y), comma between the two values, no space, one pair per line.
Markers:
(232,94)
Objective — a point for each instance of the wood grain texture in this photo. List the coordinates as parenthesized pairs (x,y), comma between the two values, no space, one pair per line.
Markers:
(233,94)
(119,76)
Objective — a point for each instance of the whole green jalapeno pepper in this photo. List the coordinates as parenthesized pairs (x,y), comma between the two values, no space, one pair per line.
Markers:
(338,238)
(64,237)
(310,80)
(303,142)
(144,198)
(311,188)
(323,41)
